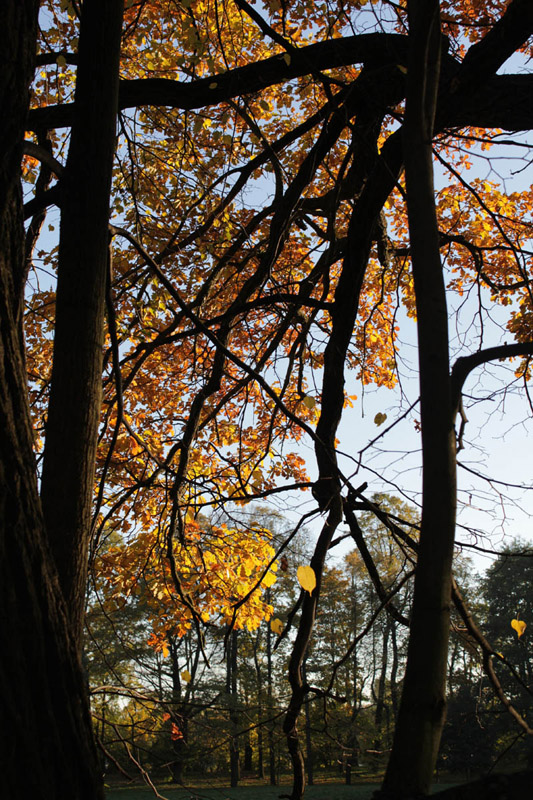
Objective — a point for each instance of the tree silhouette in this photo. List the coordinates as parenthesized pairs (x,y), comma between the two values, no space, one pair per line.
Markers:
(259,256)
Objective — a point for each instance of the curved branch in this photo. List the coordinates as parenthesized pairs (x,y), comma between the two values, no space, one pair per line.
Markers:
(464,365)
(44,156)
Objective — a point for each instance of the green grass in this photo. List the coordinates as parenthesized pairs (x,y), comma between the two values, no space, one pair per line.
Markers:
(326,791)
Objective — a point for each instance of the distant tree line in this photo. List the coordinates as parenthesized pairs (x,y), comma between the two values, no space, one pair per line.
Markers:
(167,712)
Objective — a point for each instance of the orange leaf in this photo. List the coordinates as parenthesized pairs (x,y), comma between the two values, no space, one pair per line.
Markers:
(519,626)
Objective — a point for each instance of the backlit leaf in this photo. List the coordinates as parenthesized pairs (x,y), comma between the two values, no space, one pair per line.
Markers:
(519,626)
(306,578)
(276,626)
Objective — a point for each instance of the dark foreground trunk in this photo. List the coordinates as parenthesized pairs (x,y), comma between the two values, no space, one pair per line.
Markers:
(45,732)
(76,387)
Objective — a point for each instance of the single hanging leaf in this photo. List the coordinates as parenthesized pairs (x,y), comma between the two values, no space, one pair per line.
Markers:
(276,626)
(306,578)
(308,401)
(519,626)
(380,418)
(186,676)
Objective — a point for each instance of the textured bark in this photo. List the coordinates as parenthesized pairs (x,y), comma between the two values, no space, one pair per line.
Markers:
(45,732)
(75,396)
(422,707)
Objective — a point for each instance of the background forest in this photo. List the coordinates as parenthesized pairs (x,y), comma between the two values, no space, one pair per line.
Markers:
(265,298)
(184,722)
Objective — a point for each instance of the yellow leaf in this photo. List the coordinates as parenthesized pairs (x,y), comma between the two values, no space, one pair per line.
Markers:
(306,578)
(186,676)
(519,626)
(269,579)
(287,59)
(380,418)
(308,401)
(165,650)
(276,626)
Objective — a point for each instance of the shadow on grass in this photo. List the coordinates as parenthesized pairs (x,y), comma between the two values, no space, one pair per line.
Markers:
(326,791)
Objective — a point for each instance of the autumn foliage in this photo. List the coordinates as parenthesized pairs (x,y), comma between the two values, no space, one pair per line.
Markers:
(261,277)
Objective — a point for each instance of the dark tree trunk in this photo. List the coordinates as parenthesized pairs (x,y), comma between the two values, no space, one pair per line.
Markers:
(394,670)
(179,746)
(231,688)
(422,707)
(45,732)
(308,737)
(248,755)
(180,749)
(305,628)
(380,697)
(260,753)
(352,741)
(260,700)
(75,395)
(271,748)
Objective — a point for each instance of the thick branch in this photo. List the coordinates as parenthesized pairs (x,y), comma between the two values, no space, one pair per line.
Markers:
(374,49)
(464,366)
(381,591)
(506,36)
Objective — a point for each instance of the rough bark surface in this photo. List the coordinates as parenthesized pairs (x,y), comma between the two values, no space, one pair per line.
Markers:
(45,732)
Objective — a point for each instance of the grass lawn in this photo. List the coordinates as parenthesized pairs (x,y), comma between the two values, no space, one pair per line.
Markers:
(325,791)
